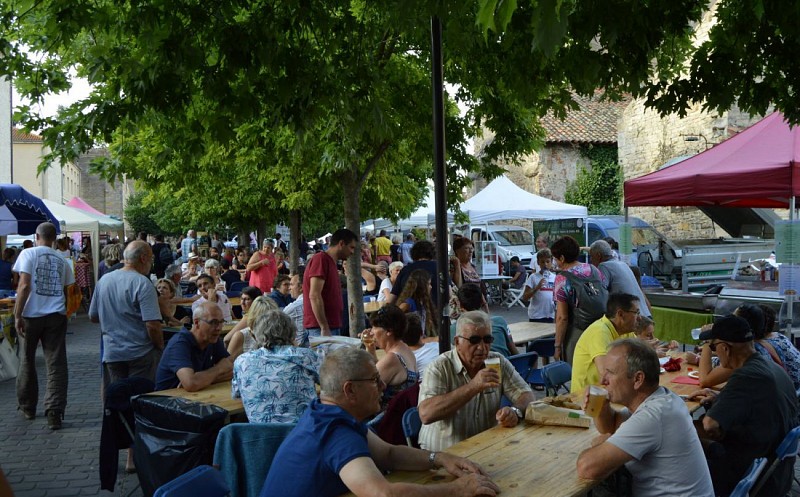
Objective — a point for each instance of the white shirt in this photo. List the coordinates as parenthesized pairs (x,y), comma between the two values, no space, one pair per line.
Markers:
(49,274)
(223,303)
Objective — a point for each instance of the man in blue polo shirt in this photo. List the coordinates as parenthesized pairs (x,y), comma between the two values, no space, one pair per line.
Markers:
(196,358)
(331,451)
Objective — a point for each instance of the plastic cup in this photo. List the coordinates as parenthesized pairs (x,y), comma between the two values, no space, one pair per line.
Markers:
(597,396)
(696,334)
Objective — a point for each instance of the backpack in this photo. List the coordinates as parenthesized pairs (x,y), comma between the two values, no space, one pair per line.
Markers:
(590,298)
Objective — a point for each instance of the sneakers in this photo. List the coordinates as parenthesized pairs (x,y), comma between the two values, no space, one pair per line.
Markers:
(30,415)
(54,418)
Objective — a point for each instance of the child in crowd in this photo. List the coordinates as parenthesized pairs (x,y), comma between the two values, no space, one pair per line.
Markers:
(645,327)
(539,290)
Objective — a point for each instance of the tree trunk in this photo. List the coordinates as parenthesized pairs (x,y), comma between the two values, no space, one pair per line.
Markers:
(294,236)
(243,239)
(261,233)
(352,216)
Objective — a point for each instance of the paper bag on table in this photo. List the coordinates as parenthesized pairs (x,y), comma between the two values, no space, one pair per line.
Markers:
(539,413)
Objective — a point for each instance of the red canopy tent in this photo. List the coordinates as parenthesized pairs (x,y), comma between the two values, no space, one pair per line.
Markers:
(755,168)
(81,204)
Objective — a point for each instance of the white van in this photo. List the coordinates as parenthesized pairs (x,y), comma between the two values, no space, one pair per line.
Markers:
(511,241)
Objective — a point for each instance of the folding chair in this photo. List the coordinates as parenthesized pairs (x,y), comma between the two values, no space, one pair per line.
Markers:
(244,453)
(411,426)
(238,286)
(525,364)
(117,432)
(512,297)
(745,484)
(545,347)
(555,377)
(787,449)
(202,481)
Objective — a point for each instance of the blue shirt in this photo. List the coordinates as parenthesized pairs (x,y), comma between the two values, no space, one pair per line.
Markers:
(182,352)
(309,460)
(276,385)
(281,299)
(5,275)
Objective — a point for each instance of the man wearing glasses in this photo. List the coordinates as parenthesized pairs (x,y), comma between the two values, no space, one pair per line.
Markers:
(196,358)
(750,416)
(460,396)
(331,451)
(619,321)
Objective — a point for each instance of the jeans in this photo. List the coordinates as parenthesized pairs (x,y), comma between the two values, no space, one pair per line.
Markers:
(302,337)
(51,330)
(144,367)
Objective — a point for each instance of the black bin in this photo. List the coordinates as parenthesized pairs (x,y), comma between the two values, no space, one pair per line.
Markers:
(173,435)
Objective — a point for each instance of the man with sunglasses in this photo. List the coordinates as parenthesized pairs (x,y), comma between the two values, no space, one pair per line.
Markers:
(750,416)
(460,396)
(619,321)
(196,358)
(331,451)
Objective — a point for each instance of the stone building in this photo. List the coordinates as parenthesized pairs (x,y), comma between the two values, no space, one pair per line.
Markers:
(104,196)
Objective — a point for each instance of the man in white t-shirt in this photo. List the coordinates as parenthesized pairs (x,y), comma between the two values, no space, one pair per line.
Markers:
(209,293)
(40,315)
(652,436)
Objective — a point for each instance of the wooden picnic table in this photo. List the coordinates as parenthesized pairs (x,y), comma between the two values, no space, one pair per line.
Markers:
(526,331)
(370,307)
(218,394)
(527,460)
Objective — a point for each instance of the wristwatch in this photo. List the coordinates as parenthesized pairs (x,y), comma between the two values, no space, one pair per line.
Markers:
(518,412)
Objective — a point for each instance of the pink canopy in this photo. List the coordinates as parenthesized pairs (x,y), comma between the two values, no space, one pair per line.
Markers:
(81,204)
(755,168)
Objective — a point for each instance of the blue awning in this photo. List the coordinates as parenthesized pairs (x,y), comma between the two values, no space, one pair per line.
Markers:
(21,212)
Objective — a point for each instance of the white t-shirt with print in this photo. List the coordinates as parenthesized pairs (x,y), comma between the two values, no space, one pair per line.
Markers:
(49,273)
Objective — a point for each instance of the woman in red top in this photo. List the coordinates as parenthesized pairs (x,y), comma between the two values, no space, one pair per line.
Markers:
(262,267)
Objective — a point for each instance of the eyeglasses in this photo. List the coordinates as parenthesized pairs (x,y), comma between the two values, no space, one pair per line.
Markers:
(635,311)
(213,322)
(713,345)
(375,379)
(476,339)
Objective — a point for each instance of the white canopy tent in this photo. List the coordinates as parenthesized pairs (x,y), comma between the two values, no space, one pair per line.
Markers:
(72,219)
(502,199)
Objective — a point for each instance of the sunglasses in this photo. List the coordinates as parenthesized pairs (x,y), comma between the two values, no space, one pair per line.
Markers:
(476,339)
(375,379)
(713,345)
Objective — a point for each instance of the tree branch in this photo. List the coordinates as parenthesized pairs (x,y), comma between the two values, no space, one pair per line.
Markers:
(382,148)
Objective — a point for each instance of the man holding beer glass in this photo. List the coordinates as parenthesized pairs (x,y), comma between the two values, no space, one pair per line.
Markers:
(461,389)
(653,437)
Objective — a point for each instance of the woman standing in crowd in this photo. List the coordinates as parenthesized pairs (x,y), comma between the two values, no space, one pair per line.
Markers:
(276,379)
(262,267)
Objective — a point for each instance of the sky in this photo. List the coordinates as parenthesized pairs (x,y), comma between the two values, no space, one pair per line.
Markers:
(80,89)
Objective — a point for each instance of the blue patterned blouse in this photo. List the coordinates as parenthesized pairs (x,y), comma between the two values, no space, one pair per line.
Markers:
(275,385)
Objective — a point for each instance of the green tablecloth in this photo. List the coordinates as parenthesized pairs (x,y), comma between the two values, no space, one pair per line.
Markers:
(674,324)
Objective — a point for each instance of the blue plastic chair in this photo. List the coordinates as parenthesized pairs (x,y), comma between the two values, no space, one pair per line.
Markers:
(745,484)
(411,426)
(525,364)
(788,448)
(202,481)
(545,347)
(244,454)
(238,286)
(555,377)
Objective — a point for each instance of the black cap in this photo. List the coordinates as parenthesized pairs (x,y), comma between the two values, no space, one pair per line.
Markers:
(515,259)
(729,328)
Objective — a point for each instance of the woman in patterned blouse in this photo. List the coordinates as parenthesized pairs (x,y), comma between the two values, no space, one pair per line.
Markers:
(276,380)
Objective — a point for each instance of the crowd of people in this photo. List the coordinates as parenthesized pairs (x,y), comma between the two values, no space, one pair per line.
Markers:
(346,434)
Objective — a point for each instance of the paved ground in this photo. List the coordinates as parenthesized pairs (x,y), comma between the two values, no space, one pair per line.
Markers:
(42,463)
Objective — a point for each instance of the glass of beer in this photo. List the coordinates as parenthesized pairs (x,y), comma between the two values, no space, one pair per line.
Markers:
(367,338)
(597,396)
(494,363)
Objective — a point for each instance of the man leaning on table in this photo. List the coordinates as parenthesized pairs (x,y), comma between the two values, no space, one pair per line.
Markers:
(196,358)
(750,416)
(652,437)
(622,310)
(460,397)
(331,451)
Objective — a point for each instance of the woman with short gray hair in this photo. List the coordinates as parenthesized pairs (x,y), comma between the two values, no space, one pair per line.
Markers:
(276,380)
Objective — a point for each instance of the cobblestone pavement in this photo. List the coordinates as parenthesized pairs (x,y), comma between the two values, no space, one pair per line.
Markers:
(43,463)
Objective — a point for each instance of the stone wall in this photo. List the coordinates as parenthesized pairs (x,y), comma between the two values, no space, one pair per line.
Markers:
(106,197)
